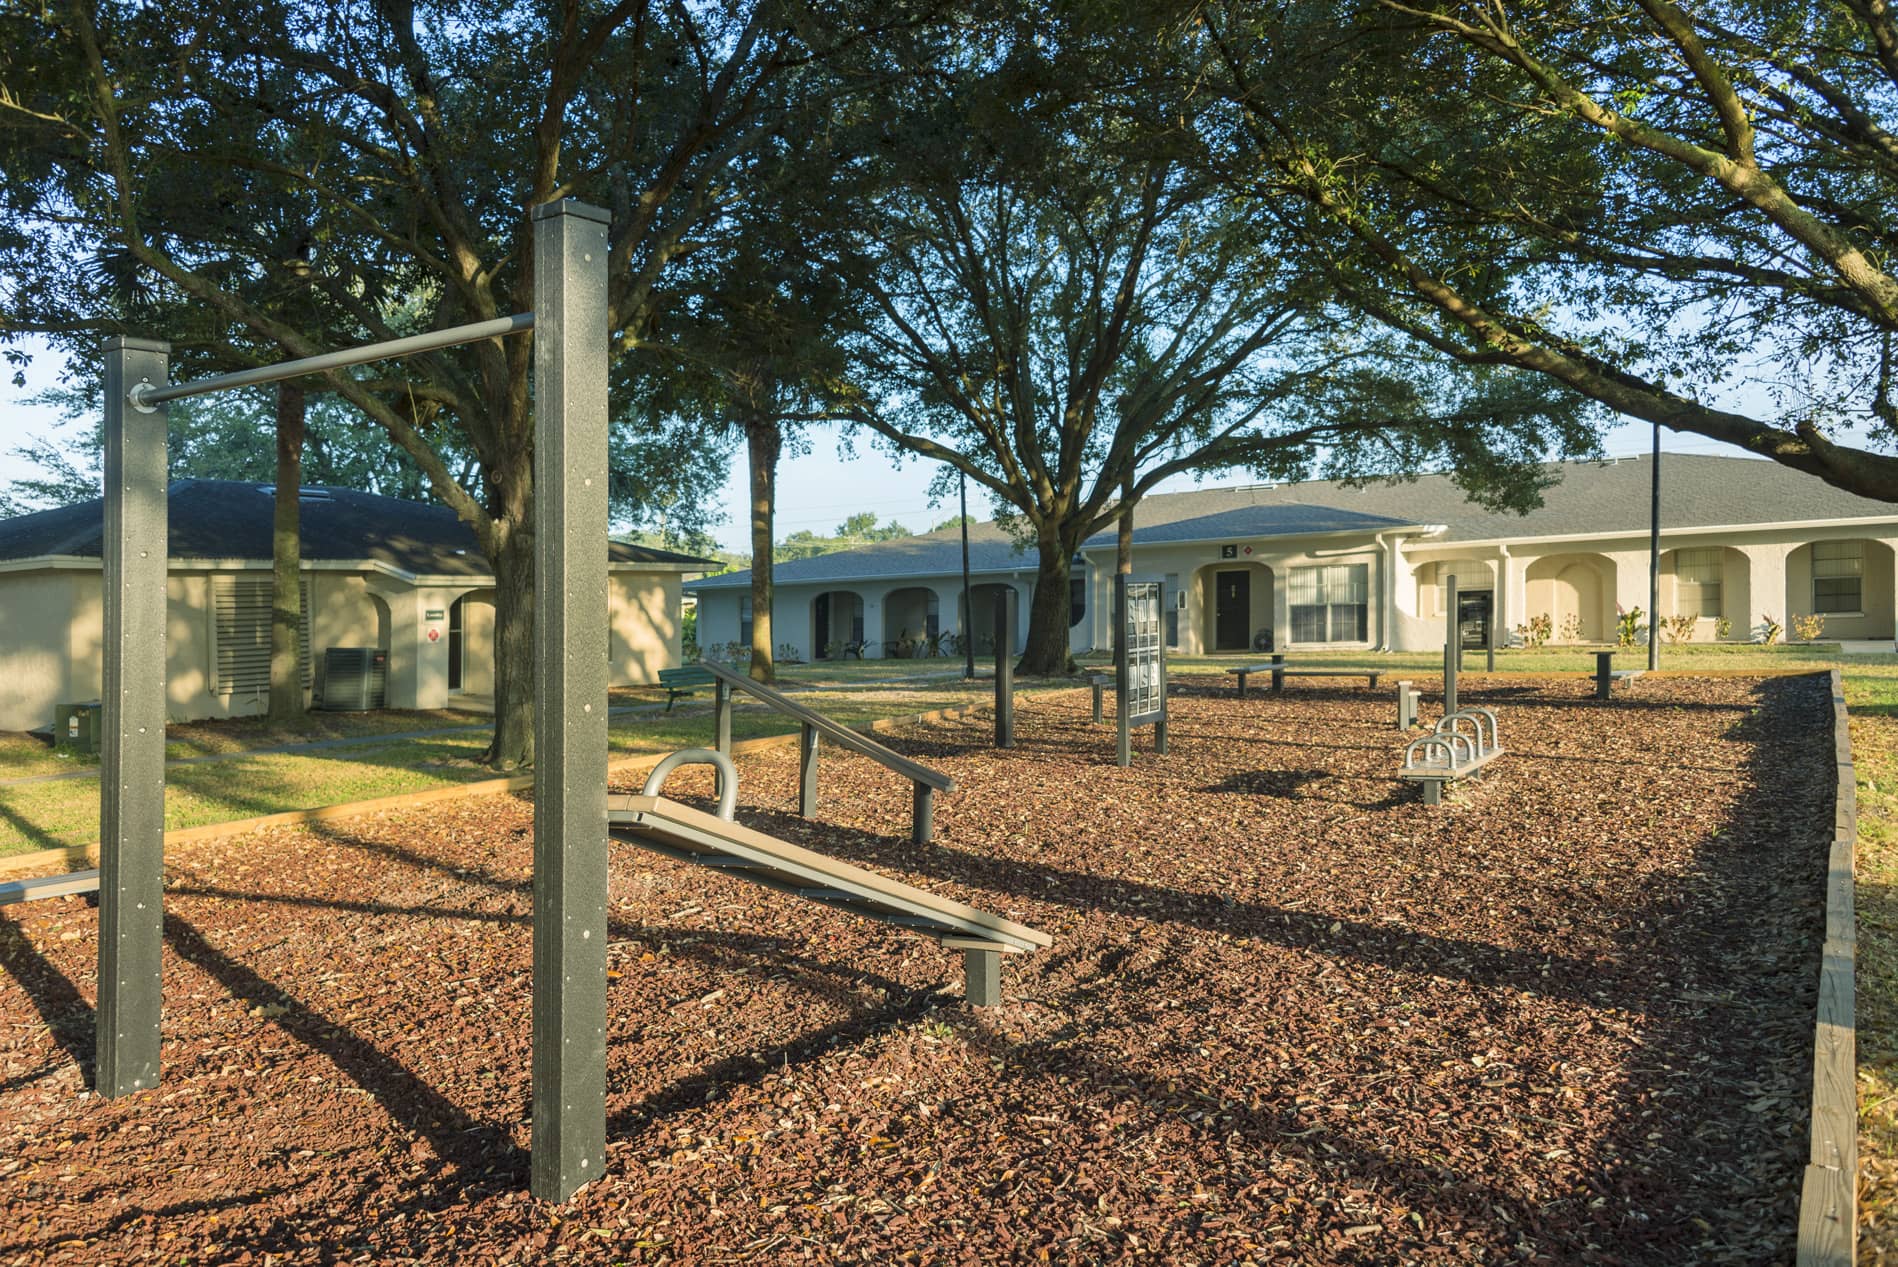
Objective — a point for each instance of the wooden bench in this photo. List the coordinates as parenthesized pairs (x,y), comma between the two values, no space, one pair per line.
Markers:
(682,682)
(1461,745)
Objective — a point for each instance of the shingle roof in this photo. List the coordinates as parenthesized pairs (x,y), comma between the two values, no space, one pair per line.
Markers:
(1697,491)
(230,519)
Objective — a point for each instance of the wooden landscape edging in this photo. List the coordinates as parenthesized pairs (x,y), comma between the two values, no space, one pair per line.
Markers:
(1828,1202)
(55,861)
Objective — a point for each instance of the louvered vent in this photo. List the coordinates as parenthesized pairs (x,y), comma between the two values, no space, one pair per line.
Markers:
(242,606)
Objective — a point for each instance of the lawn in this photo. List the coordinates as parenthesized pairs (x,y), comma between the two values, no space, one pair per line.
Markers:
(1290,1015)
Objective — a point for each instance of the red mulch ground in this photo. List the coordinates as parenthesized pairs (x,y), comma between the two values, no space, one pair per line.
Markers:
(1291,1015)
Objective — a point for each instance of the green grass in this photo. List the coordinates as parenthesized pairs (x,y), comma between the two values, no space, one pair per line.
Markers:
(64,813)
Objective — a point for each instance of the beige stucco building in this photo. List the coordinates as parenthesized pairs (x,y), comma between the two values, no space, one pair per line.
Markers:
(395,576)
(1325,565)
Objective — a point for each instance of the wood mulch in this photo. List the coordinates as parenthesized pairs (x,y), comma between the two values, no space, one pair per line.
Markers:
(1291,1015)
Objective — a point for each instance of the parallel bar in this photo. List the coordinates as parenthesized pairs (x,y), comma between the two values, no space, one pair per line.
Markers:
(132,773)
(570,631)
(143,398)
(806,771)
(42,887)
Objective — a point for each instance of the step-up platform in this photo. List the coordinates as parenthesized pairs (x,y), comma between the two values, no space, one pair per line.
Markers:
(709,840)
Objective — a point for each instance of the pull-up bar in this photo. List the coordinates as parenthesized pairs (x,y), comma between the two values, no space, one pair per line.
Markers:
(145,397)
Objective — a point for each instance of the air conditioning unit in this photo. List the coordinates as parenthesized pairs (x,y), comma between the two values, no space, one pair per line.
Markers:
(352,679)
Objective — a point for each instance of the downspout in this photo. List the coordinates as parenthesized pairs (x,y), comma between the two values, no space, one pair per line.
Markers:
(1501,614)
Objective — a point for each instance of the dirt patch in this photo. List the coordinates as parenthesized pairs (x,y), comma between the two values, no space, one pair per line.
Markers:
(1291,1015)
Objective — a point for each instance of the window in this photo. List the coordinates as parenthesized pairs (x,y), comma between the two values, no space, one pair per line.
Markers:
(241,606)
(1697,582)
(455,616)
(1838,569)
(1077,601)
(1331,603)
(744,619)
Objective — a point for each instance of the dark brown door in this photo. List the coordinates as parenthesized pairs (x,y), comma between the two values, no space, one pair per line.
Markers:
(1232,611)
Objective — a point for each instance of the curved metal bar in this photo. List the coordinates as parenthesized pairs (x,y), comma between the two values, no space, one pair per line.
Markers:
(727,776)
(145,397)
(1428,744)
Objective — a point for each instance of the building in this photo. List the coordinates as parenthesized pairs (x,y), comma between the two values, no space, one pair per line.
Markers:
(1323,565)
(378,572)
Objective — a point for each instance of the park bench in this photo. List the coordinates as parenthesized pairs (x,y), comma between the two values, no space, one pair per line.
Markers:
(1461,745)
(683,682)
(1606,675)
(1280,671)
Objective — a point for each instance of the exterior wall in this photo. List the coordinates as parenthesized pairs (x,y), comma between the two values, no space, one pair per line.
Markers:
(793,624)
(645,613)
(35,651)
(1875,618)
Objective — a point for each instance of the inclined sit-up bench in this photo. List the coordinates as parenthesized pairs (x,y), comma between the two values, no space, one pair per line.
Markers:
(1461,745)
(715,841)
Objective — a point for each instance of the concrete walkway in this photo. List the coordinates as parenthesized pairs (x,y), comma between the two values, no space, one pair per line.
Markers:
(1879,646)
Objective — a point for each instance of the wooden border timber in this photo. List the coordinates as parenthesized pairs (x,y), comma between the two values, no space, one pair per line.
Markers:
(1828,1202)
(55,861)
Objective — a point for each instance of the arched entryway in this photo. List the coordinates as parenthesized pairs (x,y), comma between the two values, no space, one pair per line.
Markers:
(1843,584)
(1576,592)
(912,621)
(1709,584)
(837,625)
(471,643)
(984,598)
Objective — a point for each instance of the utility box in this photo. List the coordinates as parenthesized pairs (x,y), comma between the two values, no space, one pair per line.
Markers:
(352,679)
(76,726)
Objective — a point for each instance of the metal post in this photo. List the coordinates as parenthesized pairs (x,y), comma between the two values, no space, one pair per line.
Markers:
(968,611)
(132,774)
(1452,646)
(1406,706)
(1004,676)
(1095,684)
(922,826)
(722,717)
(570,631)
(1654,557)
(1489,628)
(1123,732)
(1159,727)
(1278,672)
(1604,673)
(982,977)
(806,772)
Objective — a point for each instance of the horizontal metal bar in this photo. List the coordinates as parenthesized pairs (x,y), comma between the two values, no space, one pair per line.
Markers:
(145,397)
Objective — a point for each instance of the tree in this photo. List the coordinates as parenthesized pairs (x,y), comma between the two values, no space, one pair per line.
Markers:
(422,137)
(1683,212)
(862,527)
(1063,304)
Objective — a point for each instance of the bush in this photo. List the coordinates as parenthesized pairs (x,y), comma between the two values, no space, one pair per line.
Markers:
(1537,631)
(1770,630)
(1722,628)
(787,653)
(1628,626)
(1679,628)
(1809,628)
(1572,627)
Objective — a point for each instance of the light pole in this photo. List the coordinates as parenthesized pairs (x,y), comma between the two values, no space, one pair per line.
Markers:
(1654,558)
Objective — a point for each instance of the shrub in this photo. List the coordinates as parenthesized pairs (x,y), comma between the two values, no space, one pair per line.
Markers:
(787,653)
(1722,627)
(1628,626)
(1572,627)
(1679,628)
(1809,628)
(1536,632)
(1770,630)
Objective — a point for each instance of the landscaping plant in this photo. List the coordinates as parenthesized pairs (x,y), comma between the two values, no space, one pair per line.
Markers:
(1572,627)
(1536,631)
(1628,626)
(1679,628)
(1770,630)
(1809,628)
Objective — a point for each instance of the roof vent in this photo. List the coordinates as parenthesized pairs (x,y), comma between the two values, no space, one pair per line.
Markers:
(303,494)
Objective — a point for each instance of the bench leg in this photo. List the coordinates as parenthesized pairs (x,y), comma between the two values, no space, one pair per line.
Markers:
(982,977)
(1097,701)
(1433,791)
(1159,738)
(1278,681)
(1242,685)
(722,718)
(922,828)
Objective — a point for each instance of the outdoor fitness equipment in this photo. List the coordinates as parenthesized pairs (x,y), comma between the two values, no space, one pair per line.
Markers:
(715,841)
(569,322)
(1461,745)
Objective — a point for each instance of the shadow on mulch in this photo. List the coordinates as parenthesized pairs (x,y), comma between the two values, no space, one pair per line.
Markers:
(69,1018)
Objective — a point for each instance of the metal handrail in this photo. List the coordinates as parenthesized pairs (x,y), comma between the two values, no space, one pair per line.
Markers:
(727,776)
(144,397)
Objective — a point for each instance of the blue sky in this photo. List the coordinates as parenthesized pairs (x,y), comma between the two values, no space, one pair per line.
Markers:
(816,491)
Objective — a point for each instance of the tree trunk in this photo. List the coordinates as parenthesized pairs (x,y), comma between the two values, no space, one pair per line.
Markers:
(763,443)
(513,745)
(286,555)
(1047,652)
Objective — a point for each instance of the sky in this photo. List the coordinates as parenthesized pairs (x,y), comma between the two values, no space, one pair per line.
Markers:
(817,490)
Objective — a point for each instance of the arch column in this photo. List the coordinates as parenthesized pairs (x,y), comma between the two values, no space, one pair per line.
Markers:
(1766,577)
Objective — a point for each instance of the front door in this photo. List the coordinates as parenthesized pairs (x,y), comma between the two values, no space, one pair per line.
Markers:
(1232,611)
(820,621)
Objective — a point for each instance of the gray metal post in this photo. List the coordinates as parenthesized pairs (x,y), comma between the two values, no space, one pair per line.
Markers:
(982,977)
(1004,676)
(922,826)
(1159,727)
(1654,557)
(1604,673)
(968,610)
(570,631)
(1096,686)
(806,771)
(1406,706)
(1278,671)
(1123,732)
(132,774)
(1452,645)
(1489,627)
(722,717)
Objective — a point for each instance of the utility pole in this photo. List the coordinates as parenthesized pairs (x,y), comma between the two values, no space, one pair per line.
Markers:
(968,610)
(1654,558)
